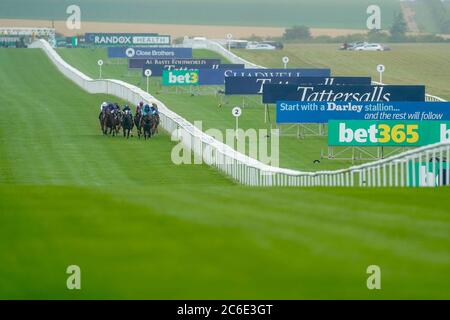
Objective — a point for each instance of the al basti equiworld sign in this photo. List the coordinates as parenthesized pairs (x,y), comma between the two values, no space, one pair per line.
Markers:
(387,133)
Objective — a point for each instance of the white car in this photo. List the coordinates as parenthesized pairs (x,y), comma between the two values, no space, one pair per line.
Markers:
(261,46)
(370,47)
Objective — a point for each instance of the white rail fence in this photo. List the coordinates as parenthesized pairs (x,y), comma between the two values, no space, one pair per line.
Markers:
(426,166)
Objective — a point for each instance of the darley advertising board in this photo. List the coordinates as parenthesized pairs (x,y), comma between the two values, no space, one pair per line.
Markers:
(322,112)
(127,39)
(254,85)
(387,133)
(149,52)
(272,93)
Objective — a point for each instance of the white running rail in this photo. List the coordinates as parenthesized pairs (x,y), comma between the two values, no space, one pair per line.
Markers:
(425,166)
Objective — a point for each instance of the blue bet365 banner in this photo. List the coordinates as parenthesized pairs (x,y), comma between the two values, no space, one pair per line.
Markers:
(254,85)
(149,52)
(272,93)
(218,77)
(322,112)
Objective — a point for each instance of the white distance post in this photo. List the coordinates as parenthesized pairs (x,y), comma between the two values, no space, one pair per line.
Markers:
(285,61)
(148,74)
(100,64)
(229,37)
(381,68)
(236,112)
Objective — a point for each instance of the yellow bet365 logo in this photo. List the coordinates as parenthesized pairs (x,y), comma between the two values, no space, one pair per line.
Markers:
(399,133)
(194,77)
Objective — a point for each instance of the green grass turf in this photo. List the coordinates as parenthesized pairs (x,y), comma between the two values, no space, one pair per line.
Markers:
(281,13)
(142,228)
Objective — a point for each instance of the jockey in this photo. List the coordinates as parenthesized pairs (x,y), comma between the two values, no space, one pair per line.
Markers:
(154,108)
(139,107)
(111,108)
(126,109)
(103,106)
(146,110)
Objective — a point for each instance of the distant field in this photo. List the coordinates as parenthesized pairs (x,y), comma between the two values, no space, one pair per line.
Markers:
(140,227)
(427,64)
(345,14)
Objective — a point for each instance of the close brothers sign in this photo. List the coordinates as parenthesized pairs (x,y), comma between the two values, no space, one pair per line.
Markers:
(149,52)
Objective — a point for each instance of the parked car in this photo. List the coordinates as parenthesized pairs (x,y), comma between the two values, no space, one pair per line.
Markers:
(354,45)
(237,44)
(277,44)
(251,45)
(370,47)
(260,46)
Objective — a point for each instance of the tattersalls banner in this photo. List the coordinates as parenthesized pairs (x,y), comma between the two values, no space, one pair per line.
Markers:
(272,93)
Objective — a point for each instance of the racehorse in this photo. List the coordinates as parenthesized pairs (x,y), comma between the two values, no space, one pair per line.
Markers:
(101,118)
(117,120)
(147,123)
(137,123)
(127,123)
(156,123)
(109,122)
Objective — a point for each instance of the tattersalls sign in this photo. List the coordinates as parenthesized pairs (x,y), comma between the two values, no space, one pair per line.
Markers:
(272,93)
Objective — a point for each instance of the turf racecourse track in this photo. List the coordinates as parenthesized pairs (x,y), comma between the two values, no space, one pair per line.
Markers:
(141,227)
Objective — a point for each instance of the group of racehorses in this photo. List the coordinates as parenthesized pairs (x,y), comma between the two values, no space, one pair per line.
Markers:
(113,119)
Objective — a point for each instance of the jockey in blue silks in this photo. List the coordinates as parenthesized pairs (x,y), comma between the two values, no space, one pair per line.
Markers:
(146,110)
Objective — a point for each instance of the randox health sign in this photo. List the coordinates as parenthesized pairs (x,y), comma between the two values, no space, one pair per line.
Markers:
(180,78)
(127,39)
(387,133)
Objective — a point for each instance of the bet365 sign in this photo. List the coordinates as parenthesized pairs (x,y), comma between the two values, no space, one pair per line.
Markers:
(180,78)
(387,133)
